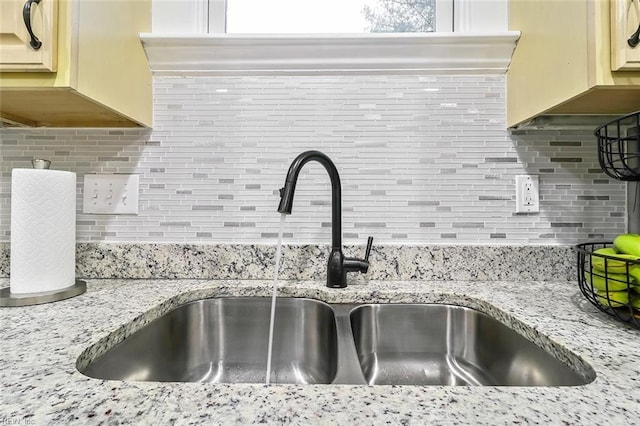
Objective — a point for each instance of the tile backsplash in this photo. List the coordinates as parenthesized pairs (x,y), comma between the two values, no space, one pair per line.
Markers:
(422,159)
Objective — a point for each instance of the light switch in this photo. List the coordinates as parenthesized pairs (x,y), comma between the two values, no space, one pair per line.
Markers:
(110,194)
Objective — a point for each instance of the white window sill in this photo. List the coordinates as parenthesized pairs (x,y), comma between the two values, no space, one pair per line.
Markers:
(317,54)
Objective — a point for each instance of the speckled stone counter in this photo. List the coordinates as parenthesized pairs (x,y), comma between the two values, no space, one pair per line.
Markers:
(40,346)
(309,262)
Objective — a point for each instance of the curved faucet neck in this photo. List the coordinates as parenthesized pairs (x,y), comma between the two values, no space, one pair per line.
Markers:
(286,193)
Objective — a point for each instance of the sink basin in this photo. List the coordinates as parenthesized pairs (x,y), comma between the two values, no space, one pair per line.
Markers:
(432,344)
(225,340)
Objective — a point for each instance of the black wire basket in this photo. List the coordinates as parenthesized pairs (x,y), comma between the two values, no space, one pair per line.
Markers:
(619,147)
(609,282)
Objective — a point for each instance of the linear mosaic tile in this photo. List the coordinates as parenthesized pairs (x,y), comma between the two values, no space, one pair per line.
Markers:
(422,159)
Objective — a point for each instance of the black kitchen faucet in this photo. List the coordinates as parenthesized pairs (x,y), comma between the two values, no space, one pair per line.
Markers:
(338,264)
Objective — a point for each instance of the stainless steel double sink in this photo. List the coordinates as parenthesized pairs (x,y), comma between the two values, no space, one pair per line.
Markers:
(225,340)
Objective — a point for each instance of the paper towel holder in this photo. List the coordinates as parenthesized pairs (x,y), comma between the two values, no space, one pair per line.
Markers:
(40,163)
(24,299)
(7,298)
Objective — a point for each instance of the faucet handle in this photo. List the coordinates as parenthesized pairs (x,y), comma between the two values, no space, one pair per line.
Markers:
(353,264)
(368,250)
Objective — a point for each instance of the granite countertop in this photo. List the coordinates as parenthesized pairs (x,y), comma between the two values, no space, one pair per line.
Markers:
(40,345)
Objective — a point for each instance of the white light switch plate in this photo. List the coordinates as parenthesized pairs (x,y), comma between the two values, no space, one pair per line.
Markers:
(110,194)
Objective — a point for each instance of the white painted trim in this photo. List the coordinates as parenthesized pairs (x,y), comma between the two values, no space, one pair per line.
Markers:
(238,54)
(462,16)
(201,16)
(179,16)
(480,15)
(217,16)
(444,16)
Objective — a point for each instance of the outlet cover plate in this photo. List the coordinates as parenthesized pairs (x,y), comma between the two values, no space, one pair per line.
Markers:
(527,194)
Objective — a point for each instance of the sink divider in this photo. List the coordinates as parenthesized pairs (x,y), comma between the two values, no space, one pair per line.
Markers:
(349,371)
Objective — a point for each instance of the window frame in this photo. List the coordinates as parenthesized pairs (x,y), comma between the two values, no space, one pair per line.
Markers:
(475,47)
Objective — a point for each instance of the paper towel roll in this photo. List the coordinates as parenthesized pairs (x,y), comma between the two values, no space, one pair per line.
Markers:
(43,230)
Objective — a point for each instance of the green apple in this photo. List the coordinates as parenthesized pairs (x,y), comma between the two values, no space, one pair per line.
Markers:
(628,244)
(614,299)
(608,282)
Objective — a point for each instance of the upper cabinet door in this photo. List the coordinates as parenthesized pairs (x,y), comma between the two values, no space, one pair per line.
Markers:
(28,35)
(625,35)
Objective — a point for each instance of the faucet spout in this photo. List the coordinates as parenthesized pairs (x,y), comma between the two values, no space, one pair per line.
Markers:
(288,191)
(338,264)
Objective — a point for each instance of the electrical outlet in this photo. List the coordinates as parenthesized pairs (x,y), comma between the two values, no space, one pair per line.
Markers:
(527,195)
(110,194)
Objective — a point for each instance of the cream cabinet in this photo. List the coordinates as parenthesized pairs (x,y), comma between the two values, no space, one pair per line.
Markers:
(28,35)
(563,63)
(101,77)
(625,35)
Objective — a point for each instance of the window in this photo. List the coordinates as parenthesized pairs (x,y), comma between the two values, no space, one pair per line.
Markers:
(315,37)
(334,16)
